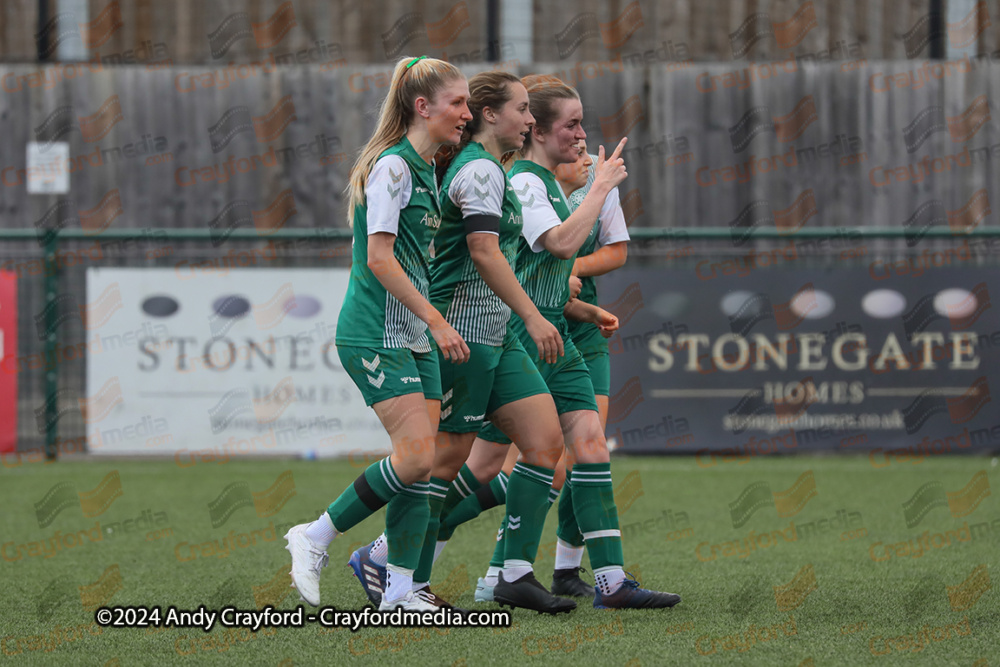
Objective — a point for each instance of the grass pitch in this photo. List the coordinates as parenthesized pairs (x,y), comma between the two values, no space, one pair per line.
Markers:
(797,560)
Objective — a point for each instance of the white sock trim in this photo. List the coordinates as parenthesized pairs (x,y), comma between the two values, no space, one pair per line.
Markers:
(609,579)
(462,486)
(594,534)
(568,557)
(380,551)
(515,569)
(399,582)
(322,531)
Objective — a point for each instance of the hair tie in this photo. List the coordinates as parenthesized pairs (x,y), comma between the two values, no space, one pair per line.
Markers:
(414,61)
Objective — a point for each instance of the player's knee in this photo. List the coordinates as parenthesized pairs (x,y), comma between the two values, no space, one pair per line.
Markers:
(590,446)
(416,471)
(447,467)
(417,457)
(543,448)
(485,474)
(547,457)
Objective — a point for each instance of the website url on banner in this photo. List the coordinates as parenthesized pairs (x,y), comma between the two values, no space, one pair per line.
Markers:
(269,617)
(775,423)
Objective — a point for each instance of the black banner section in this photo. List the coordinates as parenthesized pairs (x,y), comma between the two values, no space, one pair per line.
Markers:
(731,361)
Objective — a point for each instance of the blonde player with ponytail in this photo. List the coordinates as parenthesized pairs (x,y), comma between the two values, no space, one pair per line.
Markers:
(382,330)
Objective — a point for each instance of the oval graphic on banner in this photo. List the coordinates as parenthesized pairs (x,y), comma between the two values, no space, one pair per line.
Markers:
(955,302)
(231,306)
(302,305)
(670,304)
(734,302)
(160,306)
(812,304)
(883,303)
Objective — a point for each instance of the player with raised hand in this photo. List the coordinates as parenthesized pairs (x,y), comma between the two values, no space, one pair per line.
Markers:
(609,231)
(474,287)
(551,239)
(382,330)
(605,250)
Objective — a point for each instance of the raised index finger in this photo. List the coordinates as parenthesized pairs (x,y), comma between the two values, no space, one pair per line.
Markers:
(618,149)
(600,154)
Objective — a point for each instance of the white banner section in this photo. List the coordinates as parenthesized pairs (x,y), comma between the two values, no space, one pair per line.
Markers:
(206,363)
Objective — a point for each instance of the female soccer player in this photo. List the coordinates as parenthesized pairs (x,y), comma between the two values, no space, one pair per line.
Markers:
(474,287)
(575,179)
(605,250)
(552,237)
(381,332)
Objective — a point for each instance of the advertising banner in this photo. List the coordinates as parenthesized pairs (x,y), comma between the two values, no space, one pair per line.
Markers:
(732,361)
(204,362)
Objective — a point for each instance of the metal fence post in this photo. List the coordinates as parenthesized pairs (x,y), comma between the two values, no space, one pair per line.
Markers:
(50,344)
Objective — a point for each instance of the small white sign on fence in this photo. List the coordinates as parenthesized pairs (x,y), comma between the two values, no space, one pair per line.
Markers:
(48,167)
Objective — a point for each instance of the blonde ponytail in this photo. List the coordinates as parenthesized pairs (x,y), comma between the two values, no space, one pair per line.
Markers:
(423,78)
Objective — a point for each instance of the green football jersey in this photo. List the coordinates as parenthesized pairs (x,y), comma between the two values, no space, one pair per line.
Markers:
(401,198)
(544,276)
(609,228)
(588,289)
(588,292)
(474,185)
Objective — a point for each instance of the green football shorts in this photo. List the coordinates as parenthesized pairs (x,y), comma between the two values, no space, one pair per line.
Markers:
(568,381)
(382,373)
(493,377)
(594,348)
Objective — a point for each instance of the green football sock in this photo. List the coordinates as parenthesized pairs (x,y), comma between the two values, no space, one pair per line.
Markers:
(465,485)
(498,551)
(594,506)
(527,505)
(438,489)
(406,524)
(484,498)
(568,530)
(495,486)
(375,487)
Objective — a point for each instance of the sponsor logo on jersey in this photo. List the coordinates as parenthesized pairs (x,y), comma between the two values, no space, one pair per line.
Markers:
(408,380)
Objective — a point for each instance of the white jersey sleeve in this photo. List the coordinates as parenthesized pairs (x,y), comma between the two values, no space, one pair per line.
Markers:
(387,192)
(539,216)
(613,229)
(478,189)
